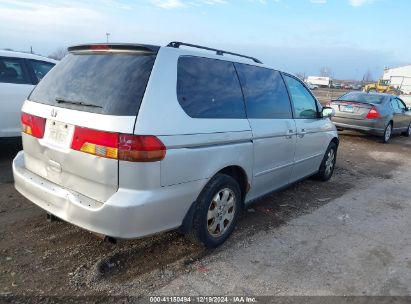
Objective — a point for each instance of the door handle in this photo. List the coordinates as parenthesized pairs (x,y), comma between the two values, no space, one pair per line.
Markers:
(302,133)
(290,134)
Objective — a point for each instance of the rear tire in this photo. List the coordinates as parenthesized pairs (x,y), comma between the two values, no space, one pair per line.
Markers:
(387,133)
(328,164)
(216,212)
(408,132)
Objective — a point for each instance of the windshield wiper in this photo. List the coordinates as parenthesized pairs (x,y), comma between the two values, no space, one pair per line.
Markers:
(80,103)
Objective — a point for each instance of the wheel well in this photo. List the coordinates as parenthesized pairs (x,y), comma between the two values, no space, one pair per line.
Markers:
(336,141)
(239,175)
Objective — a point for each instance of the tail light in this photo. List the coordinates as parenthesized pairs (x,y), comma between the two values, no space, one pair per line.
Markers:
(33,125)
(373,114)
(126,147)
(99,47)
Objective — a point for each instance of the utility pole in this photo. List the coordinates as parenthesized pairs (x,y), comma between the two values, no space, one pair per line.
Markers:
(107,34)
(31,50)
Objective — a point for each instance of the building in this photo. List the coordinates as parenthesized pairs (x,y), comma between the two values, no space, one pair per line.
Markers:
(400,77)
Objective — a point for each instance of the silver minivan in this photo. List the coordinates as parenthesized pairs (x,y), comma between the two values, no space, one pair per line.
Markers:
(128,140)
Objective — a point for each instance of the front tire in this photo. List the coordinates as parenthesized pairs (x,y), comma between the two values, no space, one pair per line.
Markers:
(216,213)
(387,133)
(328,164)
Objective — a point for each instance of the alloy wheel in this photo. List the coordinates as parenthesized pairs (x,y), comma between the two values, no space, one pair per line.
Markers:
(388,133)
(221,212)
(329,163)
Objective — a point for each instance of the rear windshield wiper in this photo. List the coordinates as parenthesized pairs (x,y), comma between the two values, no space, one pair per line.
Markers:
(80,103)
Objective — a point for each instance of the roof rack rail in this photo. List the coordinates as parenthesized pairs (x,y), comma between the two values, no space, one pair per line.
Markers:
(177,44)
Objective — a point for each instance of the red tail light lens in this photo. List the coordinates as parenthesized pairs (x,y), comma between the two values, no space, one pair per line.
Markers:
(104,144)
(141,148)
(33,125)
(133,148)
(373,114)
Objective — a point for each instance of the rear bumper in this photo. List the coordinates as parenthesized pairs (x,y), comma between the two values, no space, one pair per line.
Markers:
(126,214)
(375,127)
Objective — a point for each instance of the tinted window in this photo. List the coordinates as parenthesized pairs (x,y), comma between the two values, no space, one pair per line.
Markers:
(264,91)
(209,88)
(305,106)
(362,97)
(40,68)
(114,83)
(12,71)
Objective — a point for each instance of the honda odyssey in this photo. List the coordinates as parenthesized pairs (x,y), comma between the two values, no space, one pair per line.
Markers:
(128,140)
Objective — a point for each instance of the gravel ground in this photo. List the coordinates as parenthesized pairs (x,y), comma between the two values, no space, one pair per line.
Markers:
(42,258)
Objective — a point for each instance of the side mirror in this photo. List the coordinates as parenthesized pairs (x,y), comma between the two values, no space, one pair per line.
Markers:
(327,112)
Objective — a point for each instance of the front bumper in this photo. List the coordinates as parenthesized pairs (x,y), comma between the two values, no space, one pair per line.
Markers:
(126,214)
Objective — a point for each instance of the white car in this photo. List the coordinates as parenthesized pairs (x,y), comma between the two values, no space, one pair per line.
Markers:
(19,73)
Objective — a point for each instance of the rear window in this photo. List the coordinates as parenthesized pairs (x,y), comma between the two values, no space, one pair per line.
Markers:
(209,88)
(112,84)
(362,97)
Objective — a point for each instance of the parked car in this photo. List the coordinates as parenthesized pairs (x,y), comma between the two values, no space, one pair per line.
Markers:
(129,140)
(375,113)
(19,73)
(336,85)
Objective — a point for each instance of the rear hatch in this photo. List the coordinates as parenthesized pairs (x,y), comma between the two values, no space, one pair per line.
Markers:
(76,118)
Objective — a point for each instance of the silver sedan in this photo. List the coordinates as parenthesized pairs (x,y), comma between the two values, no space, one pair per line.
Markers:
(374,113)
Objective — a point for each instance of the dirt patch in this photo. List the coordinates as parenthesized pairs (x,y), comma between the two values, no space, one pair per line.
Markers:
(42,258)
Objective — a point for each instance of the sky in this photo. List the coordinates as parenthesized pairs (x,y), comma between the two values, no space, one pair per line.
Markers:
(297,36)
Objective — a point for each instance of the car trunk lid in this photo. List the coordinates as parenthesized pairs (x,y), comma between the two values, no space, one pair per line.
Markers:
(351,109)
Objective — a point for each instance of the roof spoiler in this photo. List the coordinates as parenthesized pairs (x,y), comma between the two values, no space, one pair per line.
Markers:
(115,47)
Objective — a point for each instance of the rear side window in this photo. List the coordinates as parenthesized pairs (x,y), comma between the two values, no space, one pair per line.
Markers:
(264,91)
(12,71)
(209,88)
(394,104)
(40,68)
(112,83)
